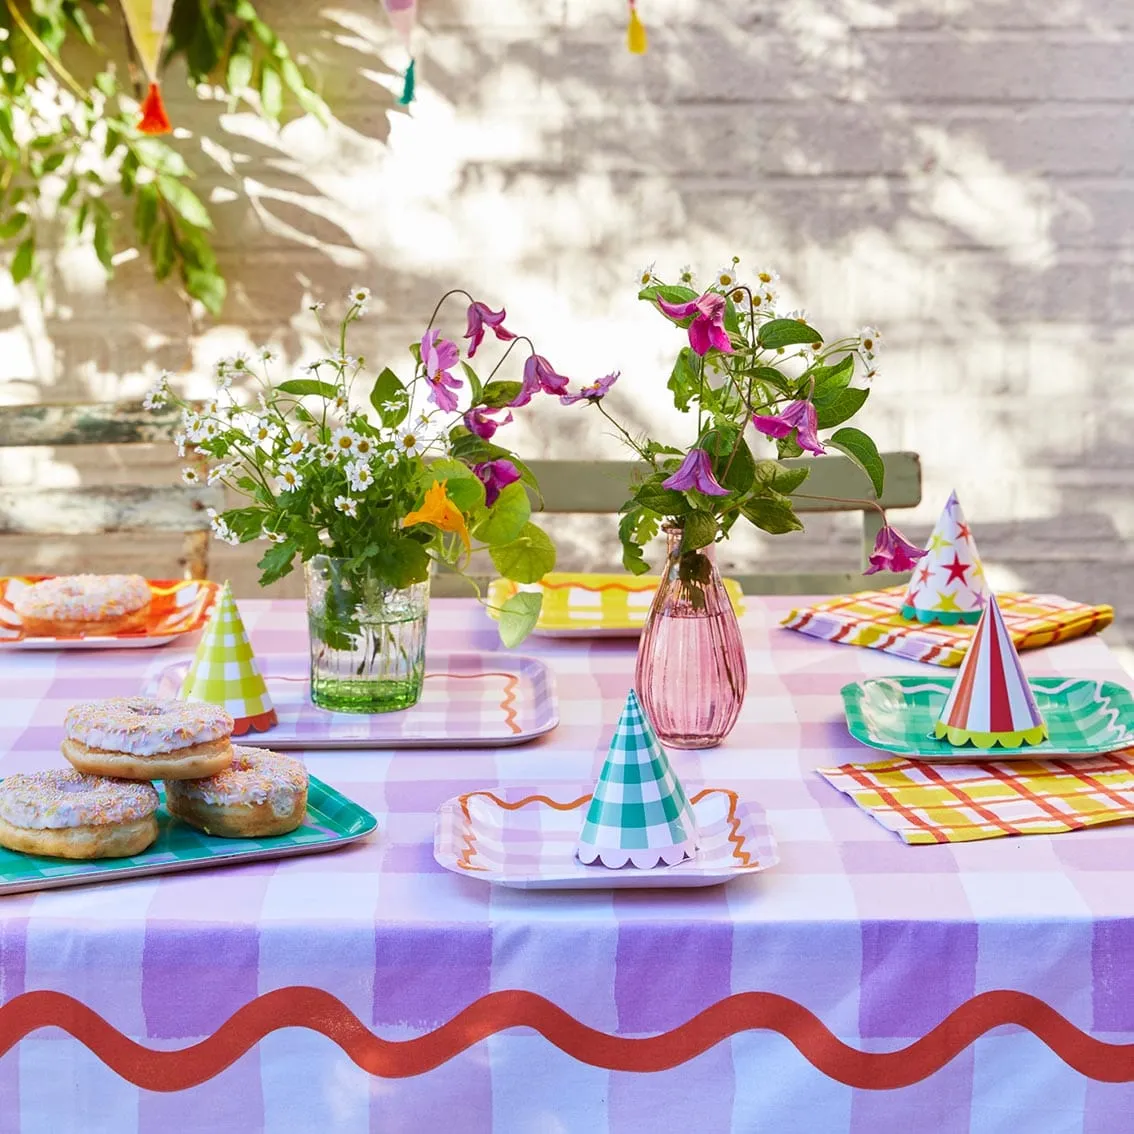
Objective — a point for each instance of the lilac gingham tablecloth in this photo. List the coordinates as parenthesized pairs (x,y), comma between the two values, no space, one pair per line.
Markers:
(879,941)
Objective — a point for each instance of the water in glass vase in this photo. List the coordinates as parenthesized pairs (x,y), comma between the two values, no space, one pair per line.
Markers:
(367,640)
(691,673)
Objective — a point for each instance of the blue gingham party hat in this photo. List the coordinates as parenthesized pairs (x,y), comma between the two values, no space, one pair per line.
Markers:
(225,673)
(639,813)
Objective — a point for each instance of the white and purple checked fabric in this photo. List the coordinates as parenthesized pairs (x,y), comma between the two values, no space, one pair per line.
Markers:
(879,940)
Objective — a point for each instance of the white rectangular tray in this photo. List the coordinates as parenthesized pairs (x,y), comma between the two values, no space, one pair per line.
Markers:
(469,701)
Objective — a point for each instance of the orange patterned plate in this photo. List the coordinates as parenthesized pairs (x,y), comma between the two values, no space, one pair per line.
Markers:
(177,606)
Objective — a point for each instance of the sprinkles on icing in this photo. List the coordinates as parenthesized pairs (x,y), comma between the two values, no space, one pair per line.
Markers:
(145,726)
(255,776)
(85,598)
(61,799)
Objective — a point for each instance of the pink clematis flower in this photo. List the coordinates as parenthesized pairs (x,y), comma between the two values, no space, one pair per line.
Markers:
(538,375)
(595,392)
(438,356)
(495,476)
(799,416)
(481,422)
(481,316)
(892,552)
(696,472)
(707,329)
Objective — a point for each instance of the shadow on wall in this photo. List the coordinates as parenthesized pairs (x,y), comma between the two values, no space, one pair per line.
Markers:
(958,173)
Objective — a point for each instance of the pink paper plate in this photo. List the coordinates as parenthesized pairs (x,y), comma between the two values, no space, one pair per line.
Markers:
(469,701)
(521,837)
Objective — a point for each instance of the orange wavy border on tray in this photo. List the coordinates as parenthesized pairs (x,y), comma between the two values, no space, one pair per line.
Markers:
(165,617)
(465,861)
(319,1011)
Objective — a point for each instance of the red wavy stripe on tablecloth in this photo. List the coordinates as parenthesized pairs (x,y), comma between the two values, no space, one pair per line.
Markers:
(299,1007)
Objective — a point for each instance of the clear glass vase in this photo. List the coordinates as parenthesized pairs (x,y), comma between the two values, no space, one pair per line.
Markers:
(367,639)
(691,674)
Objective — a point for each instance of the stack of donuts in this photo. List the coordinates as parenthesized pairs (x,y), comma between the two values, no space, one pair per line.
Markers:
(104,807)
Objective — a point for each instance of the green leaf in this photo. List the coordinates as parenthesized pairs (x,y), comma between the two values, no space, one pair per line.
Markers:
(12,225)
(474,383)
(462,485)
(500,394)
(271,92)
(506,518)
(208,287)
(671,293)
(735,468)
(162,250)
(303,387)
(239,73)
(526,559)
(403,561)
(388,387)
(103,245)
(664,501)
(770,376)
(699,529)
(145,212)
(779,478)
(24,260)
(829,380)
(518,617)
(632,534)
(772,514)
(184,201)
(685,378)
(786,332)
(277,561)
(842,408)
(863,452)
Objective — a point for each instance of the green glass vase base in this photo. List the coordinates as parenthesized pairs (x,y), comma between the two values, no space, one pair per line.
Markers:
(362,696)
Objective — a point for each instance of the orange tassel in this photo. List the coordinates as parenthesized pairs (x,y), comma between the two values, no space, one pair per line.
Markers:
(154,119)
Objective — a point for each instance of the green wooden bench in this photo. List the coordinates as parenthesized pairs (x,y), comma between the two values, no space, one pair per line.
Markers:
(104,509)
(600,487)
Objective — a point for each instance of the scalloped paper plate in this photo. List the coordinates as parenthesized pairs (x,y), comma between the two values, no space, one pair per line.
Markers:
(523,838)
(898,714)
(582,605)
(177,606)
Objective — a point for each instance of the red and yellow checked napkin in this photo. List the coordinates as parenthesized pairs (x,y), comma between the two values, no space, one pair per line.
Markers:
(960,803)
(873,619)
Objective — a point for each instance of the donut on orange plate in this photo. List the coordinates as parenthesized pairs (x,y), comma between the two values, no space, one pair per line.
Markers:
(65,814)
(142,738)
(70,606)
(262,793)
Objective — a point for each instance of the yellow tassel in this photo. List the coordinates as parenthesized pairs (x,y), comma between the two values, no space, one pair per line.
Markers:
(636,34)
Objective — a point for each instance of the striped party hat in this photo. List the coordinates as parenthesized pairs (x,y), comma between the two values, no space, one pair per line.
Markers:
(224,672)
(991,701)
(948,582)
(148,22)
(639,813)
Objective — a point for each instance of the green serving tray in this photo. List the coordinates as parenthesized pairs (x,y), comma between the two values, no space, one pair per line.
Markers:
(332,821)
(897,714)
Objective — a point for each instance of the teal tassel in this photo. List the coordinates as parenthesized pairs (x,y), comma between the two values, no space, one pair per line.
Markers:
(410,83)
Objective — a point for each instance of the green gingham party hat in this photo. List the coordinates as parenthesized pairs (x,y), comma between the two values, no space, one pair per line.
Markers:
(639,813)
(224,671)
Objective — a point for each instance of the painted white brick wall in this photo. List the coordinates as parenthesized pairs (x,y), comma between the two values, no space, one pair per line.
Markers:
(960,172)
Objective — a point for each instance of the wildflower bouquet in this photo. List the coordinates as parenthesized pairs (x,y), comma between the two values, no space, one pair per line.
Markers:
(386,474)
(745,366)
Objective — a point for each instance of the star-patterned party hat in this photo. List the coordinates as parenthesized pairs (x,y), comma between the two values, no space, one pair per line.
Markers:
(948,584)
(225,673)
(148,21)
(403,17)
(991,701)
(639,813)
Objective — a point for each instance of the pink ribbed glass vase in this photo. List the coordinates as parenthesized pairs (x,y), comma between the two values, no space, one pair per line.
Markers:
(691,674)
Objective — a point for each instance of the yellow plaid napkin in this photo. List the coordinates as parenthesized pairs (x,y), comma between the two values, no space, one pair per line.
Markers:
(874,619)
(960,803)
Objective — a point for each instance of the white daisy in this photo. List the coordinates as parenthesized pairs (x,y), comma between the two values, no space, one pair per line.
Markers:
(158,394)
(346,361)
(798,314)
(411,442)
(327,456)
(275,537)
(726,277)
(296,448)
(686,275)
(872,372)
(391,406)
(289,479)
(645,275)
(364,447)
(218,472)
(239,363)
(312,368)
(267,354)
(358,295)
(344,442)
(360,476)
(318,305)
(220,527)
(340,402)
(264,432)
(180,440)
(190,475)
(869,339)
(347,505)
(390,458)
(766,280)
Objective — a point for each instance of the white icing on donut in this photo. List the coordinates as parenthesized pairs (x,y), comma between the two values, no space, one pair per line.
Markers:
(255,776)
(86,598)
(145,726)
(59,799)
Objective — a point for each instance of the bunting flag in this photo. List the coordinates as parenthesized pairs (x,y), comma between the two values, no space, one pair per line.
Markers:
(636,40)
(639,814)
(148,21)
(403,17)
(948,584)
(991,701)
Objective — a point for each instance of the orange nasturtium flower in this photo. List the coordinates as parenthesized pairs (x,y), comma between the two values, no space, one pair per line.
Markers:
(437,509)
